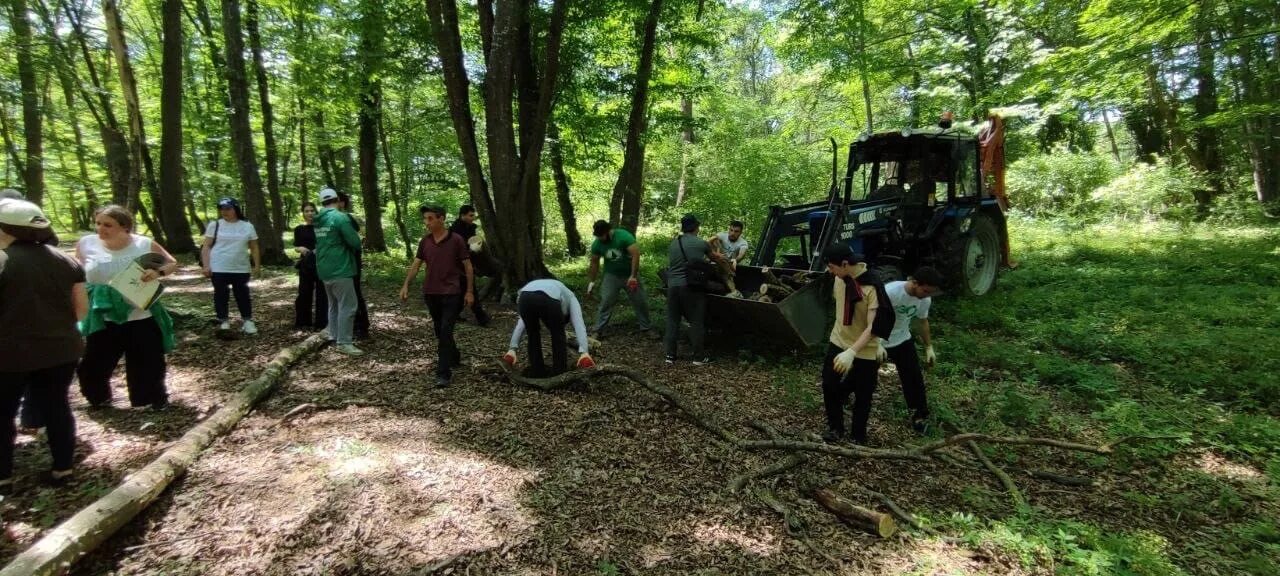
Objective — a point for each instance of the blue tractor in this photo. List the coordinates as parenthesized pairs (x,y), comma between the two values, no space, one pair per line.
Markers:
(907,199)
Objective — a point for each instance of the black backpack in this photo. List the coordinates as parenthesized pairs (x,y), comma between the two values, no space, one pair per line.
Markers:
(882,326)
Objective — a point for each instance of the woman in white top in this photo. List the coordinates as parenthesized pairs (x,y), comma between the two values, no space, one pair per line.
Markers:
(228,244)
(139,340)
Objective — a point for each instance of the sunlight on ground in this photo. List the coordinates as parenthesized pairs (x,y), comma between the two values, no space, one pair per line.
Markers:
(722,534)
(1217,465)
(932,556)
(386,492)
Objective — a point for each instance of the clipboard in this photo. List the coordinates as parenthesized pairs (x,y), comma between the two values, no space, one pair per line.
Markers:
(138,293)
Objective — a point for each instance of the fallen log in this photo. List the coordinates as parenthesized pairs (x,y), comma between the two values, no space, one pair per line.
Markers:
(874,522)
(57,550)
(776,291)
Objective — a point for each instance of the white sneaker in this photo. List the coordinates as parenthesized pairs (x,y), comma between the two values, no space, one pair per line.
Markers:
(249,327)
(225,325)
(327,335)
(350,350)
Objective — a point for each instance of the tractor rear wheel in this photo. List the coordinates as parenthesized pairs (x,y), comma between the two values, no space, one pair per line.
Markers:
(972,256)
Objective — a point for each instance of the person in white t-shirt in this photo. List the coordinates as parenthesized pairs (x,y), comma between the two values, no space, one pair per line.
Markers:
(911,300)
(229,243)
(733,247)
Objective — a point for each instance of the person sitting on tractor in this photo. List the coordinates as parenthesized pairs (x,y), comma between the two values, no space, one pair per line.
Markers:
(911,299)
(733,248)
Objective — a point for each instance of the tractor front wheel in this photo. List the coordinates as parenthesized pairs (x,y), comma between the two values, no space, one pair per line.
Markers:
(972,255)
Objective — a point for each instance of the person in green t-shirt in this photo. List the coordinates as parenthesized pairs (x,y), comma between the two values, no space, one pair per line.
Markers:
(621,268)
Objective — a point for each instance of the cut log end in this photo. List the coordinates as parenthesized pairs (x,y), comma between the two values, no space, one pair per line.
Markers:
(877,523)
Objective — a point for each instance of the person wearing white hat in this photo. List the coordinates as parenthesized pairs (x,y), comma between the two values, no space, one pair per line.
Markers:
(337,244)
(42,295)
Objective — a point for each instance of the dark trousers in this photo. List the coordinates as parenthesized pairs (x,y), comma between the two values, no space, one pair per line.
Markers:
(444,310)
(537,309)
(683,301)
(860,381)
(361,326)
(904,356)
(29,414)
(226,283)
(142,345)
(47,389)
(310,297)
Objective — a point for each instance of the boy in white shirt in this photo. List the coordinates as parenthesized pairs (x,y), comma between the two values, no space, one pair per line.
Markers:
(911,299)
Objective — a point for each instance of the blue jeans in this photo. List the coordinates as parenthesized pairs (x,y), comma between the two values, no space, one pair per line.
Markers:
(224,284)
(609,287)
(342,308)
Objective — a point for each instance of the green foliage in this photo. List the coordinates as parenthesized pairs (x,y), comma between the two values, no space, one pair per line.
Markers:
(1148,191)
(1059,184)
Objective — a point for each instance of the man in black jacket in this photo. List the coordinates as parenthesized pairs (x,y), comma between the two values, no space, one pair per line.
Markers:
(465,226)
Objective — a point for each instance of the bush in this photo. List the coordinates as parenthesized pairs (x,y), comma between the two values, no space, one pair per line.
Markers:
(1148,191)
(1059,184)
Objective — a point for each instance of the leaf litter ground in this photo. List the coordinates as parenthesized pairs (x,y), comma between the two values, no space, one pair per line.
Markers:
(383,475)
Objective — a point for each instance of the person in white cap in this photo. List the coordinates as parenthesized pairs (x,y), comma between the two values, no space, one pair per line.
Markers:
(228,245)
(42,295)
(337,244)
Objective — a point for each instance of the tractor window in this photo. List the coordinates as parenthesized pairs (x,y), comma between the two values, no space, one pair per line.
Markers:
(966,182)
(890,173)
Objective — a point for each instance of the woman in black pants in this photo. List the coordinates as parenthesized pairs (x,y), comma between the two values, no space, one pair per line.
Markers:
(115,327)
(42,295)
(310,289)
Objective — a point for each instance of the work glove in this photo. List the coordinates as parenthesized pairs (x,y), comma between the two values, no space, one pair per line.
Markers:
(590,287)
(510,358)
(929,357)
(586,362)
(882,355)
(632,284)
(843,361)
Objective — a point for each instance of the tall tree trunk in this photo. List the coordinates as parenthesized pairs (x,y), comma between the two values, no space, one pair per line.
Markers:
(304,187)
(370,113)
(114,144)
(913,95)
(686,141)
(630,186)
(32,165)
(268,117)
(1207,142)
(269,240)
(508,215)
(397,195)
(171,189)
(325,152)
(1111,135)
(572,237)
(142,173)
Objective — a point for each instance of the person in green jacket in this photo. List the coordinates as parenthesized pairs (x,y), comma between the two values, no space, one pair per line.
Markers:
(337,244)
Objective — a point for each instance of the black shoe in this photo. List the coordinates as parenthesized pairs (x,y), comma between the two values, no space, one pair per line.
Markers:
(442,382)
(160,406)
(703,362)
(670,360)
(54,479)
(920,425)
(100,406)
(832,436)
(858,441)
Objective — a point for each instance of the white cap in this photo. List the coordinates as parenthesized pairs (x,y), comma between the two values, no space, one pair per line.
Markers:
(327,194)
(22,213)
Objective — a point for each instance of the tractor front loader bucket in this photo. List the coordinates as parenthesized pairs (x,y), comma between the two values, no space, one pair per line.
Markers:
(795,322)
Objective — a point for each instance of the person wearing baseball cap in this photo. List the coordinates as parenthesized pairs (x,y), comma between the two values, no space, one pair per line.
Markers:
(228,245)
(337,243)
(42,295)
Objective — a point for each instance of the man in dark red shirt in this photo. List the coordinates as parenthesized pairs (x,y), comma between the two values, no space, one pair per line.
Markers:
(445,289)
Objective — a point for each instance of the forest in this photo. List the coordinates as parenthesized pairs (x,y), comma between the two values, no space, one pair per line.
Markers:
(1138,328)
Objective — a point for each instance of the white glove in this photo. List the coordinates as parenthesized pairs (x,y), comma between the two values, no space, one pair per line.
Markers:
(843,361)
(882,355)
(590,286)
(929,357)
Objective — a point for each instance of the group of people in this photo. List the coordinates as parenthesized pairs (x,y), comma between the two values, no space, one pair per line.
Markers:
(61,320)
(75,325)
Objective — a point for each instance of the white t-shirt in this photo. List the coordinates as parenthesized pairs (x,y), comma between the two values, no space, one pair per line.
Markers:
(102,264)
(730,249)
(230,253)
(905,307)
